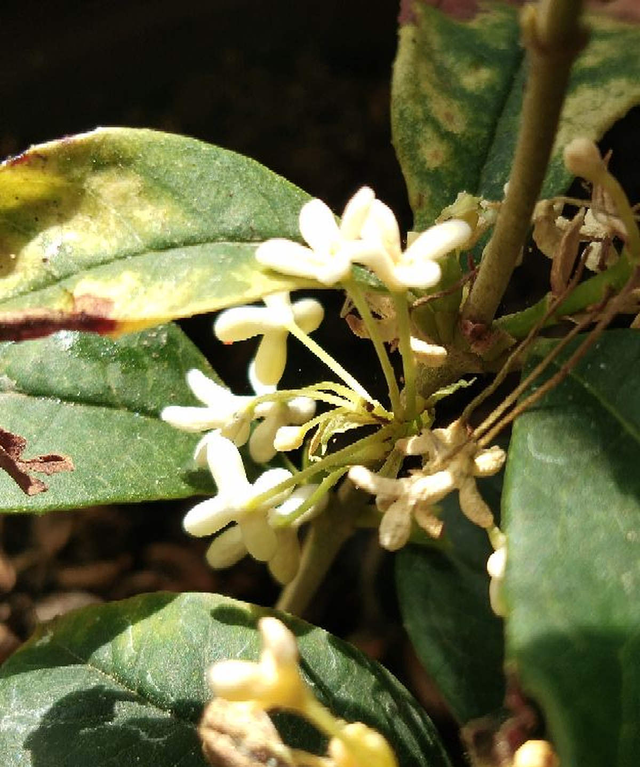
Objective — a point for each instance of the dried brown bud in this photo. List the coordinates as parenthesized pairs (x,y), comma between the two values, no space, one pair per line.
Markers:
(237,734)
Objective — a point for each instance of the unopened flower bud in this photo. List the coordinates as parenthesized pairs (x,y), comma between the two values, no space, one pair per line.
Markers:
(535,753)
(288,438)
(582,158)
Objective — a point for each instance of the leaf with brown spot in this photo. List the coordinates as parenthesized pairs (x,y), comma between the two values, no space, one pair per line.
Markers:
(19,469)
(98,400)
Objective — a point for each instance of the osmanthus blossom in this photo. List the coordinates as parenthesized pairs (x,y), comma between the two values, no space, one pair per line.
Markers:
(232,414)
(331,248)
(222,409)
(417,266)
(368,235)
(452,462)
(272,322)
(252,526)
(275,681)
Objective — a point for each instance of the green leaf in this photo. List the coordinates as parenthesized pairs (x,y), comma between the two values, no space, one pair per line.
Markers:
(444,599)
(124,684)
(98,401)
(572,515)
(138,227)
(457,94)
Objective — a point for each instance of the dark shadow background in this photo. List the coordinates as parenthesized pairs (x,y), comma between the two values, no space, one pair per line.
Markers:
(303,87)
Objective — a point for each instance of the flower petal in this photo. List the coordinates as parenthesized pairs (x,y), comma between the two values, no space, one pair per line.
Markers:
(308,314)
(318,227)
(226,549)
(288,257)
(235,679)
(396,525)
(244,322)
(258,536)
(356,212)
(208,391)
(382,227)
(226,467)
(261,443)
(191,419)
(438,240)
(271,357)
(207,517)
(421,274)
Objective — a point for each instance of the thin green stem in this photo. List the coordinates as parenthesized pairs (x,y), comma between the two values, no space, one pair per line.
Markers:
(408,358)
(351,454)
(330,362)
(362,306)
(484,427)
(326,537)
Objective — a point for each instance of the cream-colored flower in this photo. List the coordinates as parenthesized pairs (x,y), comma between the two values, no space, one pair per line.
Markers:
(229,546)
(400,501)
(417,266)
(273,682)
(276,416)
(234,498)
(271,321)
(222,410)
(453,459)
(451,462)
(332,248)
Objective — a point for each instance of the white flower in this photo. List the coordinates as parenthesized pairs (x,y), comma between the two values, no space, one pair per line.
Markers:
(277,416)
(229,547)
(332,248)
(235,494)
(273,682)
(272,322)
(257,531)
(417,266)
(496,566)
(222,410)
(368,235)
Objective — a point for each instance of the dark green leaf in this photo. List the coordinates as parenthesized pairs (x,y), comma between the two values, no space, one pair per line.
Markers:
(444,598)
(572,515)
(138,227)
(124,684)
(457,95)
(98,401)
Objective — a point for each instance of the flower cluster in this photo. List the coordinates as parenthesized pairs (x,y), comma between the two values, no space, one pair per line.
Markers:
(275,681)
(451,462)
(261,517)
(368,235)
